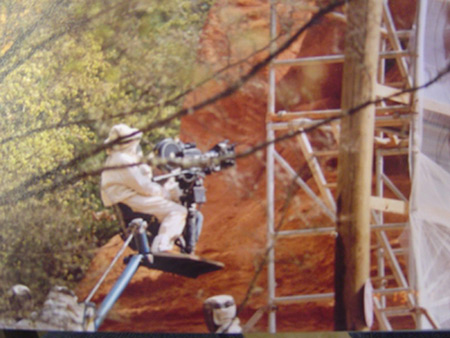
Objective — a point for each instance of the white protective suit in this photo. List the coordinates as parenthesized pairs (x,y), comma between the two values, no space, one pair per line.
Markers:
(132,185)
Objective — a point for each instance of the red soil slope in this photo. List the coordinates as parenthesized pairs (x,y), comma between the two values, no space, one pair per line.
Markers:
(235,213)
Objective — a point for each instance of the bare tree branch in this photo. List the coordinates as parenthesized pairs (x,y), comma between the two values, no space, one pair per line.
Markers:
(19,193)
(142,110)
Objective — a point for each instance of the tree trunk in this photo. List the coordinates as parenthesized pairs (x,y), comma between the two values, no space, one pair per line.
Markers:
(352,265)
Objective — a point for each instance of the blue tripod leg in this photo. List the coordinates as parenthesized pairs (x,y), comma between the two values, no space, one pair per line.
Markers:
(127,274)
(117,289)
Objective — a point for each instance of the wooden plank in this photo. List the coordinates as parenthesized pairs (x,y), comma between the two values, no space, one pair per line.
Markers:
(389,205)
(386,91)
(337,114)
(331,153)
(391,121)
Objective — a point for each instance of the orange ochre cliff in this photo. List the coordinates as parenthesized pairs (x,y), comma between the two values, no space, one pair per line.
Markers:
(234,230)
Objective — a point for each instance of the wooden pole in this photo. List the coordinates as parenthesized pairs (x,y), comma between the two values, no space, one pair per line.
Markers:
(352,255)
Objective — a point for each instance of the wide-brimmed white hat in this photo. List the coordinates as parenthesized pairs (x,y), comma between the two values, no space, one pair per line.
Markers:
(124,132)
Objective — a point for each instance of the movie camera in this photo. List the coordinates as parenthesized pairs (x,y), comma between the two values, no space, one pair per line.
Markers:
(188,165)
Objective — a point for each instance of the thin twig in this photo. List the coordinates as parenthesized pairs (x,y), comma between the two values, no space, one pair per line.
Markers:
(19,193)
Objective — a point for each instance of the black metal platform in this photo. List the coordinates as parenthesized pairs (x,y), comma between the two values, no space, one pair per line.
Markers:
(182,264)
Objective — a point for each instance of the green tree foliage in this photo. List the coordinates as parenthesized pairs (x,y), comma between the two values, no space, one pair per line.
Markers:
(69,70)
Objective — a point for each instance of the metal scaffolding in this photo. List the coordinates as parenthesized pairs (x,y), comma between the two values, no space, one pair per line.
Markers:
(392,295)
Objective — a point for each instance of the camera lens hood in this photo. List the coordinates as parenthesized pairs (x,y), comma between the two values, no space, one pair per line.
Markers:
(167,147)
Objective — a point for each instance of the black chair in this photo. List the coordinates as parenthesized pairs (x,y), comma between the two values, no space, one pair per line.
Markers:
(126,215)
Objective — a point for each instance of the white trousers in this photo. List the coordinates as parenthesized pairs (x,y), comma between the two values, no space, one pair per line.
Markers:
(171,215)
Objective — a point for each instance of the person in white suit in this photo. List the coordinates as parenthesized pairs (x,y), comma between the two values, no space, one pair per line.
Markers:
(220,315)
(126,180)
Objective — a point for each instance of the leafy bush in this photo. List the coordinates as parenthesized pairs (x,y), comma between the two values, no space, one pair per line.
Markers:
(69,70)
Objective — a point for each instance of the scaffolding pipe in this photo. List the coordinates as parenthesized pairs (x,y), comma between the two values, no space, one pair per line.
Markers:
(393,188)
(397,271)
(330,113)
(339,58)
(304,186)
(395,42)
(379,170)
(304,298)
(381,317)
(282,120)
(270,233)
(332,230)
(271,180)
(415,132)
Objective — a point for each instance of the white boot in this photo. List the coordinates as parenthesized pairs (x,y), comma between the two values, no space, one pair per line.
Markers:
(161,243)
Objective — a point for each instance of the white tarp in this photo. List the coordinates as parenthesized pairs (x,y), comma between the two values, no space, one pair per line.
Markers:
(430,228)
(430,196)
(436,53)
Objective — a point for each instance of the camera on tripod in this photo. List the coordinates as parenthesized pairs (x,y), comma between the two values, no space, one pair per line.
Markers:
(189,165)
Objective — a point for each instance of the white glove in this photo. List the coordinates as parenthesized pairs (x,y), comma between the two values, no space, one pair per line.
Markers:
(173,190)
